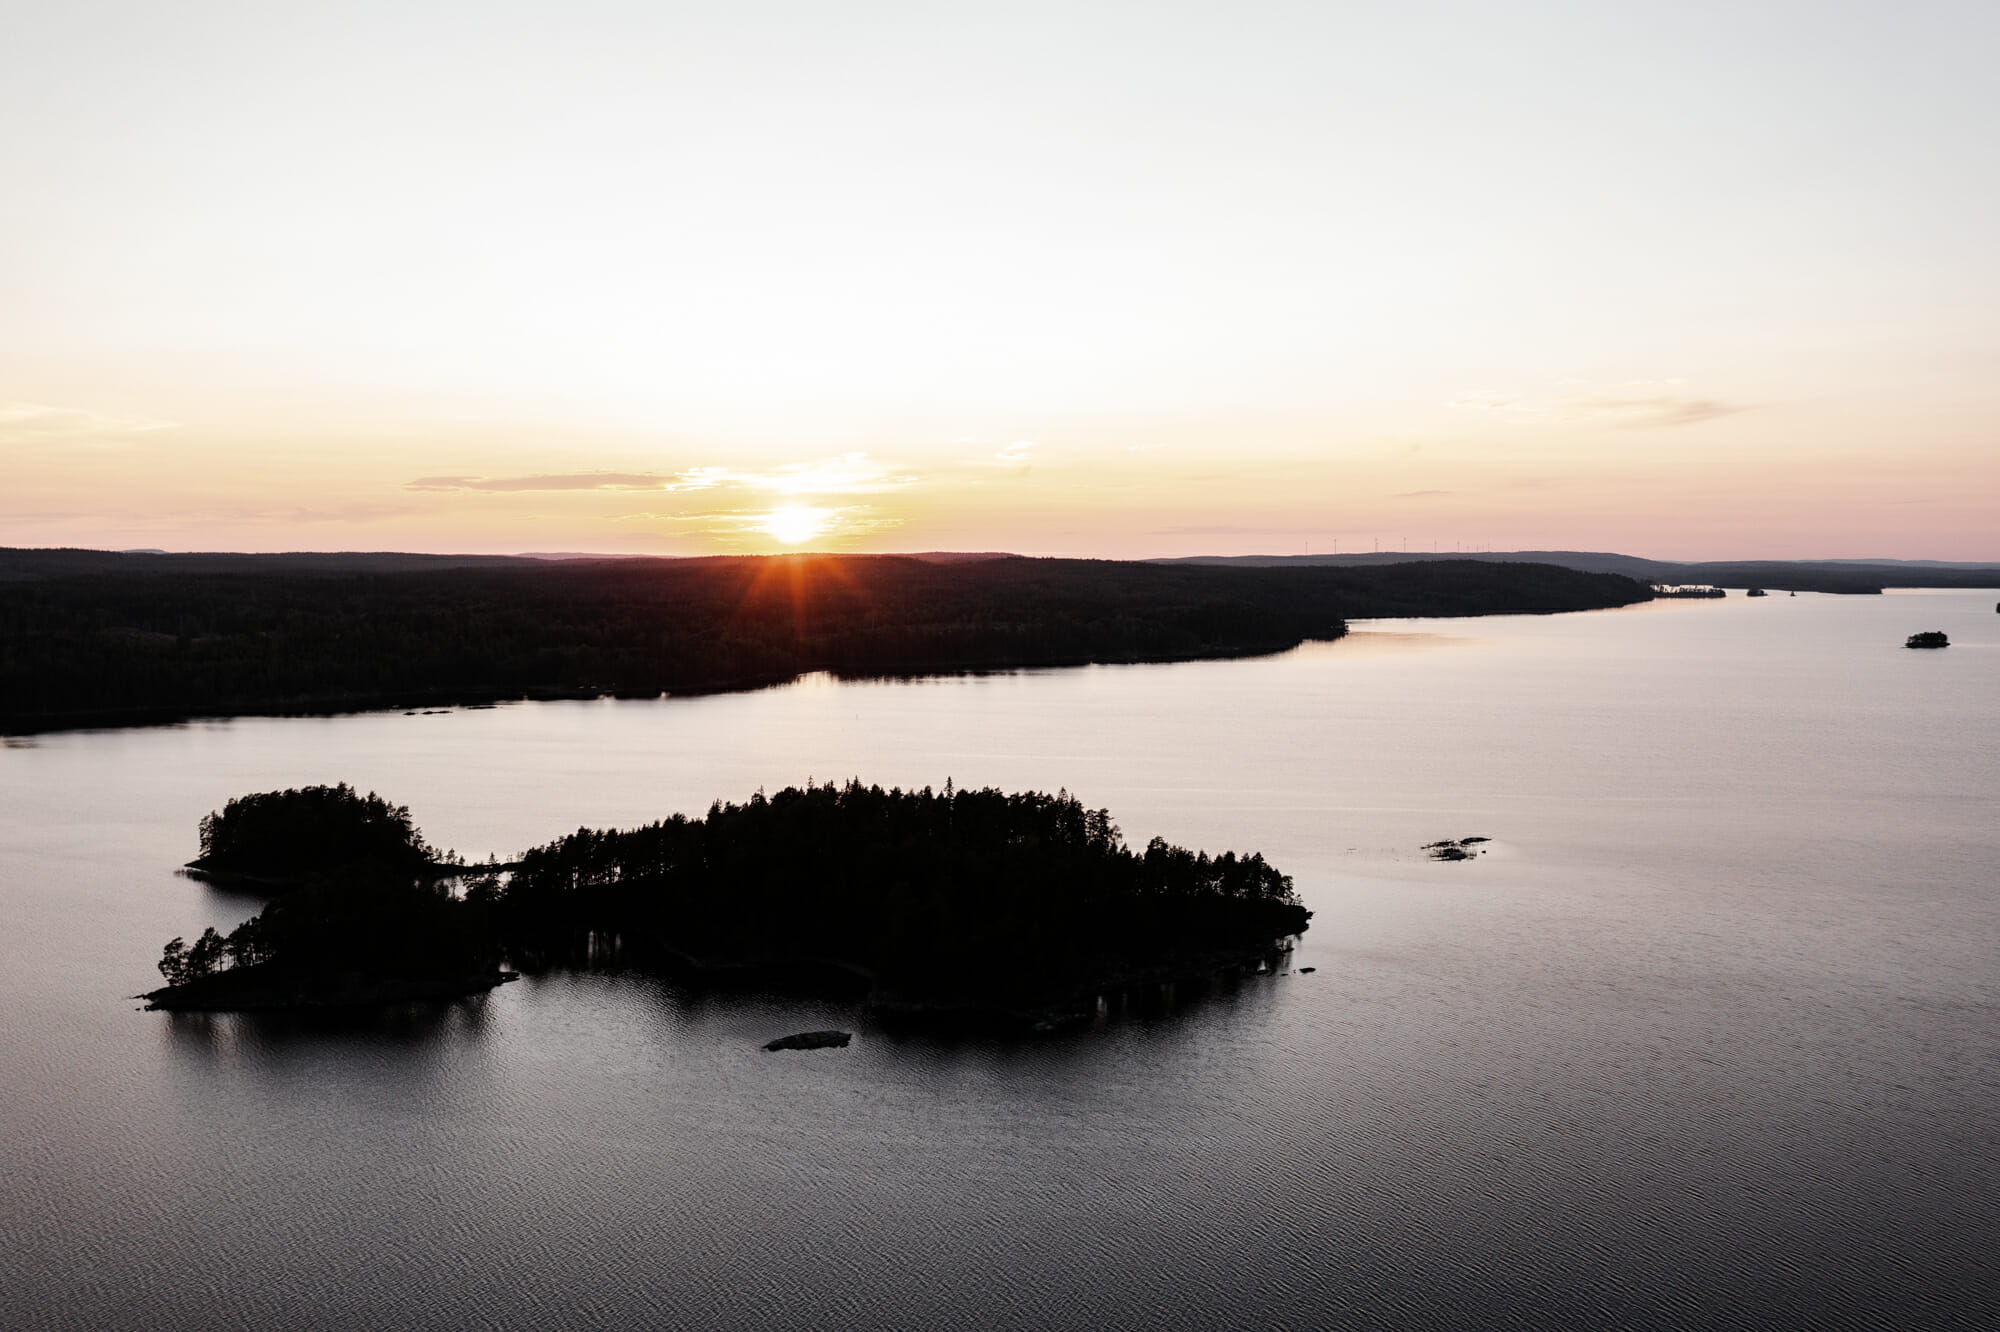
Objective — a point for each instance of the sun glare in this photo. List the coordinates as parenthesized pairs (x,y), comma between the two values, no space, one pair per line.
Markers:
(795,523)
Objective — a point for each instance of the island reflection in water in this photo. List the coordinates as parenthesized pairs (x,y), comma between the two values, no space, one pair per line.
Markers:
(1360,639)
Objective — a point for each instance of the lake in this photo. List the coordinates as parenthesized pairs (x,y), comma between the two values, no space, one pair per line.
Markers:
(1710,1037)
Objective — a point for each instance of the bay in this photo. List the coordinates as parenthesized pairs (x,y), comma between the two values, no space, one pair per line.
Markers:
(1707,1038)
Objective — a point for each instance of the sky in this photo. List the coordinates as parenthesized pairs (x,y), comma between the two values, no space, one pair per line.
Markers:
(1684,280)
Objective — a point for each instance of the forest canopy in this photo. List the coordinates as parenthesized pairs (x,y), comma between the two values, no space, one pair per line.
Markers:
(163,637)
(966,896)
(967,901)
(309,830)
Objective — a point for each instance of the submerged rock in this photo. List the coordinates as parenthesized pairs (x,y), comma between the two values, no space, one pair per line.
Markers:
(810,1040)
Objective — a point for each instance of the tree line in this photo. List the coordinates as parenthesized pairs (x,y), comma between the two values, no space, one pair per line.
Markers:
(970,894)
(970,898)
(168,641)
(307,830)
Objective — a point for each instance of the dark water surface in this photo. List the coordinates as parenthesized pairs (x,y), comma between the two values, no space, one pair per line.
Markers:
(1711,1037)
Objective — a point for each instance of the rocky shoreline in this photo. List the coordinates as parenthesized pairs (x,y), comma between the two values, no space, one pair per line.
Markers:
(255,988)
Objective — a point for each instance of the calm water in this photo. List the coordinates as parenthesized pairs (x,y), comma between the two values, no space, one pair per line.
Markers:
(1712,1036)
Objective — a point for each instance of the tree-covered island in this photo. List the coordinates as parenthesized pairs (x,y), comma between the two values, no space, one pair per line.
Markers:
(364,911)
(278,838)
(965,906)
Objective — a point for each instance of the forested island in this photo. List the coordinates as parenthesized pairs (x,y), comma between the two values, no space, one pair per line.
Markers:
(92,638)
(362,909)
(283,838)
(965,907)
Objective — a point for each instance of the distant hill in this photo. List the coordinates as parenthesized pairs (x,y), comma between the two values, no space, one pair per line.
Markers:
(18,564)
(1847,576)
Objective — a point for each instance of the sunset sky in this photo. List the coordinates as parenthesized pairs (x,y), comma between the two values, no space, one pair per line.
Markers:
(1679,279)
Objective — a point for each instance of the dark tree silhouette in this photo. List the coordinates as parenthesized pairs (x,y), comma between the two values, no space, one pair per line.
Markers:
(967,896)
(181,964)
(962,900)
(268,634)
(308,830)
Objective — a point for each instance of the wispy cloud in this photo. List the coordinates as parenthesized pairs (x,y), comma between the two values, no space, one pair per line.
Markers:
(848,474)
(837,521)
(1650,413)
(25,421)
(1419,494)
(1018,457)
(571,481)
(1639,405)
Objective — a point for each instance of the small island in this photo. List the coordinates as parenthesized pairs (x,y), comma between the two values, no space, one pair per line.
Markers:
(277,839)
(969,908)
(1931,638)
(363,913)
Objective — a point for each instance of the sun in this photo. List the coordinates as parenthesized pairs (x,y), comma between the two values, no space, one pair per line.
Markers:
(795,523)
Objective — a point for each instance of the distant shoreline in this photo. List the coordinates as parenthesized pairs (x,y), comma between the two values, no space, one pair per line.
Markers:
(162,646)
(361,705)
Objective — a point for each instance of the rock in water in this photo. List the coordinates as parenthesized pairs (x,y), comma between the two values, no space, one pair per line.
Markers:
(811,1040)
(1933,638)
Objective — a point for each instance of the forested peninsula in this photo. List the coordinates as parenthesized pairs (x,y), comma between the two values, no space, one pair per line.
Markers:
(964,907)
(97,639)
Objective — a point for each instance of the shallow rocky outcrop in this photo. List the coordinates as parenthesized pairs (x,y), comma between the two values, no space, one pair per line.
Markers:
(811,1040)
(1931,638)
